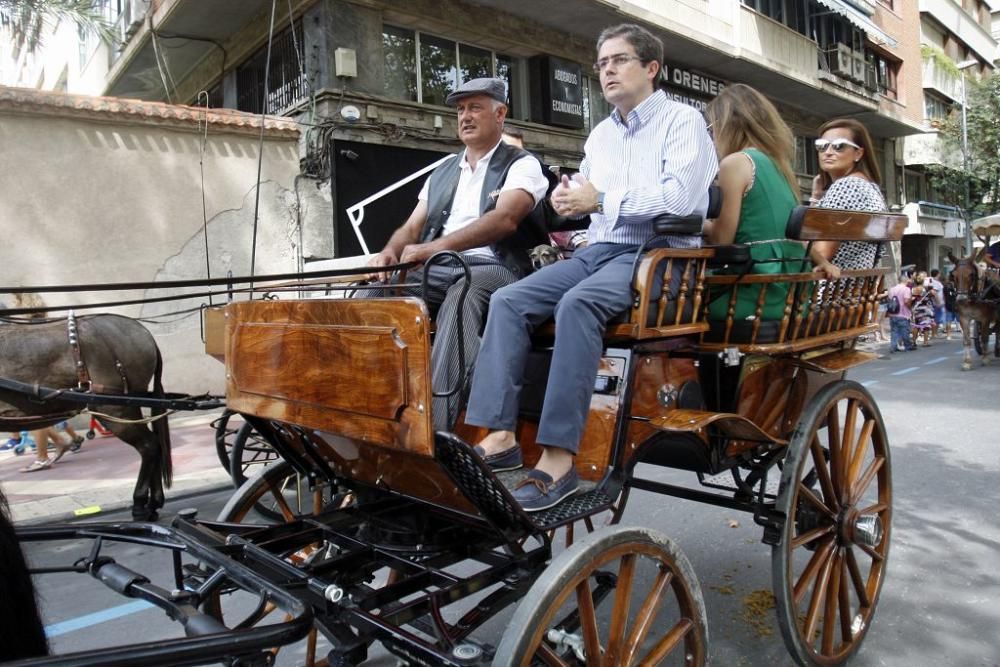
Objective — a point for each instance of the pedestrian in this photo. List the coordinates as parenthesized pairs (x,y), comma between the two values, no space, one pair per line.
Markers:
(935,284)
(477,204)
(899,321)
(42,438)
(651,156)
(849,179)
(923,313)
(950,301)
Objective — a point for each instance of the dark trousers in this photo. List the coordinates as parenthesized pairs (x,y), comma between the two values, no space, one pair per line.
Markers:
(583,293)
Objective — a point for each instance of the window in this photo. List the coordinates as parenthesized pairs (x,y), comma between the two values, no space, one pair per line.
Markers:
(792,13)
(887,3)
(287,82)
(424,68)
(885,75)
(806,159)
(936,108)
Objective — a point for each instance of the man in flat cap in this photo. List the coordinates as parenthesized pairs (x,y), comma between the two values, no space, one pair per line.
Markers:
(477,204)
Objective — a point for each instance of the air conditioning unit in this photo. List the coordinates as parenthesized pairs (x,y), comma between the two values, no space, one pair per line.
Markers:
(860,67)
(841,61)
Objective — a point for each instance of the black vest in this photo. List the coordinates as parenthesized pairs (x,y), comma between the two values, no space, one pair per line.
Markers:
(513,250)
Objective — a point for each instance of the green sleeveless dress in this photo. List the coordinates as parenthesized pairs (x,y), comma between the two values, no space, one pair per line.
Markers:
(763,216)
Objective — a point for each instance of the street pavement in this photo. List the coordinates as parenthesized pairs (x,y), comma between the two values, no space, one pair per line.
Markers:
(99,478)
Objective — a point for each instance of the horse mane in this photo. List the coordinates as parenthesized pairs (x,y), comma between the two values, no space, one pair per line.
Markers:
(22,634)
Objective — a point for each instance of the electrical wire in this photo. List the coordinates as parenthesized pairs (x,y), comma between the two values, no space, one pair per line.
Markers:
(260,146)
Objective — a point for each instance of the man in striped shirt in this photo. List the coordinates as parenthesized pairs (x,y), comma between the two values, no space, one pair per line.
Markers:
(651,157)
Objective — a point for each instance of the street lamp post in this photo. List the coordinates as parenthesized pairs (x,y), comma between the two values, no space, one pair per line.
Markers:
(962,66)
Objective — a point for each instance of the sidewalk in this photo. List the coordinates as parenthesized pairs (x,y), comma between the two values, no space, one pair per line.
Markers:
(100,477)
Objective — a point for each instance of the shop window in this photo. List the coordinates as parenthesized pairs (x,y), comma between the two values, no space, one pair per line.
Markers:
(595,107)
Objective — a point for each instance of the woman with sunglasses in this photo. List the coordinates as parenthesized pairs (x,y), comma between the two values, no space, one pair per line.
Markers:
(848,179)
(759,191)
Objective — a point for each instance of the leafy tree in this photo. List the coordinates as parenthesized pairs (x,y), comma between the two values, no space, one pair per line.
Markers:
(983,131)
(28,18)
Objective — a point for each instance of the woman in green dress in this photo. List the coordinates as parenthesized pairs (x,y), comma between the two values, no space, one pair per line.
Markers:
(759,191)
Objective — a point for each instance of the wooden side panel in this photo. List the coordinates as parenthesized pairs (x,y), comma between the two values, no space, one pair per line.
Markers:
(358,368)
(658,380)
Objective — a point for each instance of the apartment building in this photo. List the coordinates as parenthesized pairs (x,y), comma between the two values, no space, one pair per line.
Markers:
(956,40)
(367,80)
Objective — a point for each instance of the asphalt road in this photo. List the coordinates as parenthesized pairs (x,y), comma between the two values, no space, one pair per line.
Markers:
(941,601)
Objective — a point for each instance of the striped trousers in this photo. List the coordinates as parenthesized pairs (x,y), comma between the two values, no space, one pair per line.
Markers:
(444,289)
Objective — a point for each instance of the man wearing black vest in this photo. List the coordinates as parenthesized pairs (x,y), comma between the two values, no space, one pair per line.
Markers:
(477,204)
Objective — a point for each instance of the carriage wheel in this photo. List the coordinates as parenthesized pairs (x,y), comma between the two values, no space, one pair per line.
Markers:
(836,496)
(621,596)
(280,495)
(974,333)
(249,454)
(224,438)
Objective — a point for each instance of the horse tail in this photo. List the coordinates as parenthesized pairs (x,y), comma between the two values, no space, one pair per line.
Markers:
(22,634)
(161,427)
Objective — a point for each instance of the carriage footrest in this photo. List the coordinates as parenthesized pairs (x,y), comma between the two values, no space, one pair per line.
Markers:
(725,424)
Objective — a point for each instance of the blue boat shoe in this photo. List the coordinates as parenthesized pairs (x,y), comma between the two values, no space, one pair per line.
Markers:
(508,459)
(539,492)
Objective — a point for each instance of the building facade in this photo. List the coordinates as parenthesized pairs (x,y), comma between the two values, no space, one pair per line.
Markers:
(366,79)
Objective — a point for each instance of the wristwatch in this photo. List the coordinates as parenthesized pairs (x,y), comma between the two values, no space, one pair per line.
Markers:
(600,203)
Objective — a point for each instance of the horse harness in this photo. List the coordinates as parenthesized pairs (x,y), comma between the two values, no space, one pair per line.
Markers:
(83,381)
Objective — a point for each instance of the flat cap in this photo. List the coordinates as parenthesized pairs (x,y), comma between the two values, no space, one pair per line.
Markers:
(495,88)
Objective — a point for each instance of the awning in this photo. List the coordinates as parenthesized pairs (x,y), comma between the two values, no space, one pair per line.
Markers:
(988,226)
(858,18)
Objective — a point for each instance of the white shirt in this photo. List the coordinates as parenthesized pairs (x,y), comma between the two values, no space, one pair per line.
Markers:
(525,174)
(938,291)
(660,159)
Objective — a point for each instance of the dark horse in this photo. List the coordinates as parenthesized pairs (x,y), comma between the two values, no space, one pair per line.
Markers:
(21,632)
(120,357)
(977,300)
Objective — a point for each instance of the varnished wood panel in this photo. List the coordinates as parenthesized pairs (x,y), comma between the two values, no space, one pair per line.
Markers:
(215,332)
(827,224)
(658,376)
(358,368)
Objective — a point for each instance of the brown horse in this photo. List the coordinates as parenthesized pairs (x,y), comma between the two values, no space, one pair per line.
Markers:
(977,300)
(120,357)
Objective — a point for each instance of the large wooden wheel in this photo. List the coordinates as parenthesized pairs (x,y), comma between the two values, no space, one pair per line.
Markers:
(251,453)
(618,597)
(276,494)
(836,495)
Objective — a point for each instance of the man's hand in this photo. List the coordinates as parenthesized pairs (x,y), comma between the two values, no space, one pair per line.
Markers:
(417,252)
(574,199)
(384,258)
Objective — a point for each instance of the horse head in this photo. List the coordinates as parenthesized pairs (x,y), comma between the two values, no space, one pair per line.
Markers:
(966,277)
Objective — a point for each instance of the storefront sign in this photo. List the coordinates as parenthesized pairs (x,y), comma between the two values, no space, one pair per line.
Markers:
(557,92)
(688,87)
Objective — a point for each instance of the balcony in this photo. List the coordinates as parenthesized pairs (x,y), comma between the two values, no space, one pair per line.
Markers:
(941,80)
(930,148)
(954,19)
(934,219)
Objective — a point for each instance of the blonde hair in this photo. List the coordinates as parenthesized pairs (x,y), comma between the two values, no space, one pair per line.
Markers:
(867,165)
(743,118)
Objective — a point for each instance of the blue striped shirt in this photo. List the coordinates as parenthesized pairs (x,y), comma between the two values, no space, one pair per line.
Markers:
(661,160)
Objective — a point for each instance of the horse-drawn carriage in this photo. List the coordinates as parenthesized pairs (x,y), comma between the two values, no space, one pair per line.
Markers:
(391,532)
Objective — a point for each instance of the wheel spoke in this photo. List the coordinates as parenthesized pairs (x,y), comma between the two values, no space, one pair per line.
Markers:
(832,599)
(279,498)
(588,623)
(877,508)
(644,619)
(820,590)
(619,617)
(818,560)
(859,454)
(812,536)
(859,585)
(876,556)
(820,465)
(817,502)
(858,489)
(833,443)
(549,657)
(669,642)
(847,435)
(844,592)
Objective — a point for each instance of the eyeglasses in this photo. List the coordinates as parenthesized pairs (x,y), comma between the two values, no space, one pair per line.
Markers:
(839,145)
(618,60)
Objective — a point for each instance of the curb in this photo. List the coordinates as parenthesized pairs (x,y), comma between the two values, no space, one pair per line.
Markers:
(119,505)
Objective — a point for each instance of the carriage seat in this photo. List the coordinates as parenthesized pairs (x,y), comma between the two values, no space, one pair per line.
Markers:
(817,312)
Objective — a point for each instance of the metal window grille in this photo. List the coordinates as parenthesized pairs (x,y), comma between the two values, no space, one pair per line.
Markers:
(287,83)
